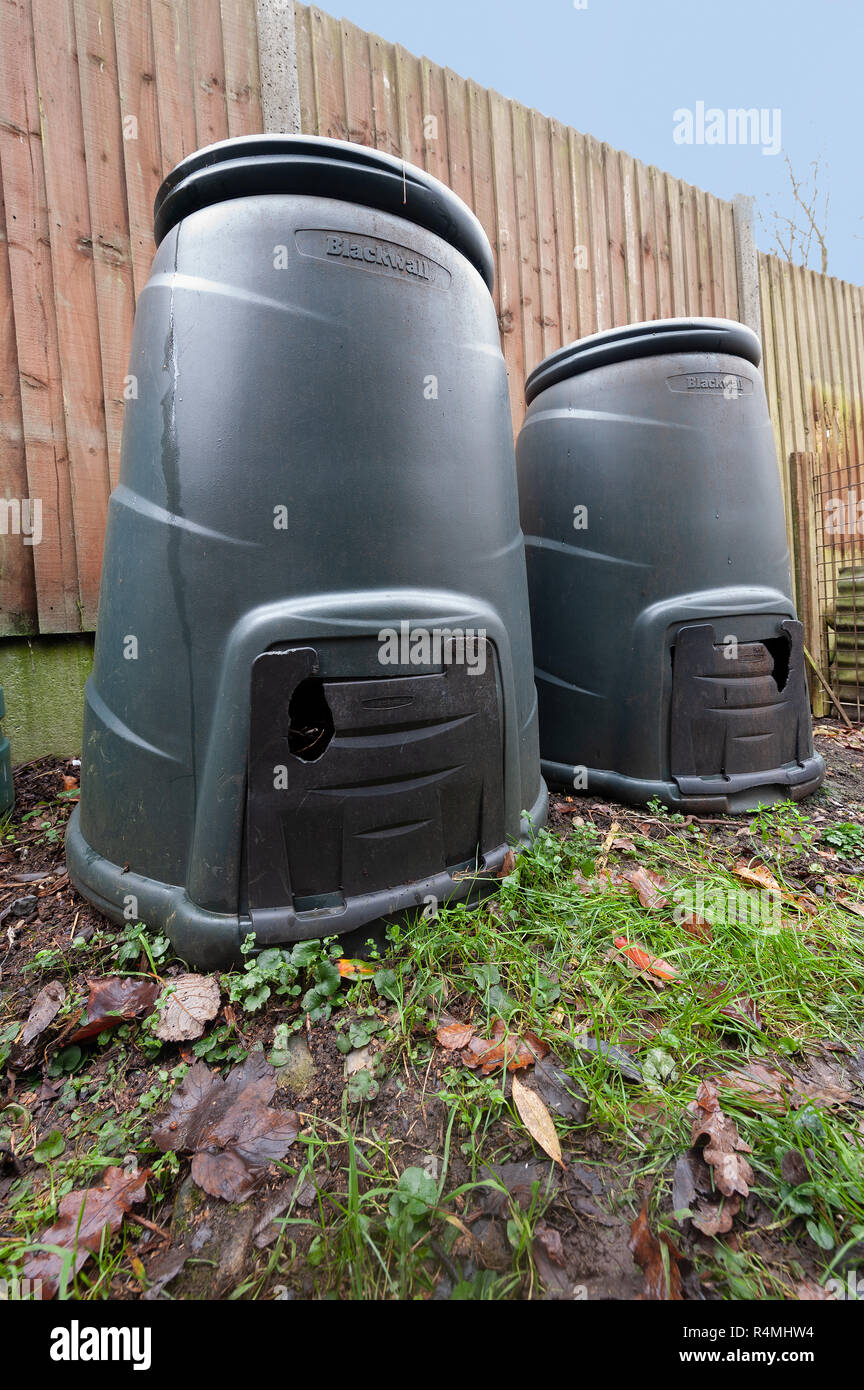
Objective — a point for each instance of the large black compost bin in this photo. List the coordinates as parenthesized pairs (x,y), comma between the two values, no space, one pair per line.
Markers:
(669,662)
(312,702)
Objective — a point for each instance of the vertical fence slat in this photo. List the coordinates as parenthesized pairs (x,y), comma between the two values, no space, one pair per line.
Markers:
(548,307)
(109,221)
(330,94)
(526,236)
(17,580)
(565,232)
(175,95)
(615,235)
(139,115)
(360,124)
(509,286)
(75,288)
(242,75)
(208,72)
(31,275)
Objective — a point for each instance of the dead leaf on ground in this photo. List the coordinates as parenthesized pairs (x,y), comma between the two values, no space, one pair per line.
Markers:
(694,925)
(47,1004)
(716,1218)
(650,886)
(513,1050)
(615,1056)
(535,1117)
(190,1002)
(793,1168)
(758,874)
(763,878)
(661,1277)
(723,1146)
(83,1217)
(692,1190)
(559,1091)
(114,1000)
(742,1009)
(354,969)
(808,1292)
(228,1127)
(642,959)
(508,864)
(548,1253)
(768,1087)
(455,1036)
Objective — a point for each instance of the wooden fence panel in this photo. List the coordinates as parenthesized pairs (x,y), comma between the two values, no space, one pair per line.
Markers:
(33,309)
(98,100)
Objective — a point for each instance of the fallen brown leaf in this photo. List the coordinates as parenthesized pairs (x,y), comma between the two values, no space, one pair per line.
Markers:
(47,1004)
(190,1001)
(661,1278)
(228,1127)
(758,874)
(455,1036)
(643,960)
(774,1089)
(763,878)
(83,1217)
(723,1144)
(650,887)
(694,925)
(535,1117)
(513,1050)
(508,864)
(114,1000)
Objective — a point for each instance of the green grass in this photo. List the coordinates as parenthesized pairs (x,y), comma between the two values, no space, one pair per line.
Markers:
(540,955)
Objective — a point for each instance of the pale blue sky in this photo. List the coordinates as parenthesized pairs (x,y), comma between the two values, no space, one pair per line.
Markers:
(619,69)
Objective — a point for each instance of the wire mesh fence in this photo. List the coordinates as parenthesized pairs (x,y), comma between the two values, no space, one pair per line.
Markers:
(839,578)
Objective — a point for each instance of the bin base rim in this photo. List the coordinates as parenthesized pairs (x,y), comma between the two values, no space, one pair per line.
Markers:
(212,940)
(736,796)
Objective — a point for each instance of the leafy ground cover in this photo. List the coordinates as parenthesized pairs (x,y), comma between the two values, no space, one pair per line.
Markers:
(636,1069)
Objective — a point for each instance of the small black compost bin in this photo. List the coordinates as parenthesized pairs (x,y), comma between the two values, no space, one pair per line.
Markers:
(669,662)
(312,703)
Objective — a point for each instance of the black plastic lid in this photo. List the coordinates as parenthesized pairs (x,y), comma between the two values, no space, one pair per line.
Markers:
(256,164)
(652,339)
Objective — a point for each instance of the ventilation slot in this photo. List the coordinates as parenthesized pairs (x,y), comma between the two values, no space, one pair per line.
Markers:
(310,720)
(779,649)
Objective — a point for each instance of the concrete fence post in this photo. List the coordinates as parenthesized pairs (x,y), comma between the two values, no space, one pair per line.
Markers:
(747,263)
(277,63)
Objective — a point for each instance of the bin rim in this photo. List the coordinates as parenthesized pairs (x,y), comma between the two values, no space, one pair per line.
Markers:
(654,338)
(310,164)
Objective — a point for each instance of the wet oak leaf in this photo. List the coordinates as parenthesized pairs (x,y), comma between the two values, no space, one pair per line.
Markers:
(716,1218)
(85,1215)
(190,1001)
(723,1146)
